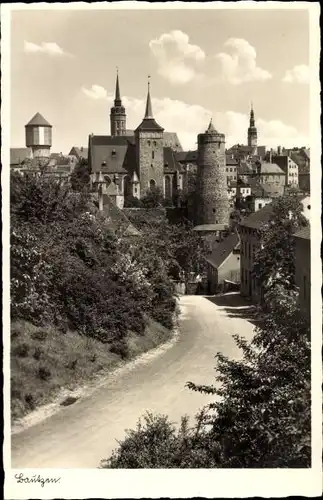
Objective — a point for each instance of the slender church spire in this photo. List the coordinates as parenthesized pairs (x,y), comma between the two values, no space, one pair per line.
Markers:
(117,113)
(252,116)
(117,99)
(149,111)
(252,132)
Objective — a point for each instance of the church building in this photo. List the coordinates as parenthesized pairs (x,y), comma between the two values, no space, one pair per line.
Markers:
(129,163)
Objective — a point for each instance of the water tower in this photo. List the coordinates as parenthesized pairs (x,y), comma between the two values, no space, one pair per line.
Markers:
(39,136)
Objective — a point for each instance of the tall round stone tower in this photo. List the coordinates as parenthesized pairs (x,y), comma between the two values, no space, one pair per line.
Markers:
(213,200)
(39,136)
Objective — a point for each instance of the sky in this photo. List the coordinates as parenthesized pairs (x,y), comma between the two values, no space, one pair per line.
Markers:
(202,64)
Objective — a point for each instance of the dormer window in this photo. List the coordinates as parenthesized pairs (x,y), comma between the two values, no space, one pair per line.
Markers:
(104,164)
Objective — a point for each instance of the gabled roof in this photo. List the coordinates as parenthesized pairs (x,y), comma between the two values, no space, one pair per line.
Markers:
(223,250)
(171,140)
(119,221)
(38,120)
(230,161)
(111,154)
(304,233)
(187,156)
(18,155)
(80,152)
(271,168)
(170,162)
(255,221)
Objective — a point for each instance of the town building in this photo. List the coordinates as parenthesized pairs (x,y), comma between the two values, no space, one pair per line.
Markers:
(129,163)
(223,264)
(248,231)
(288,165)
(303,269)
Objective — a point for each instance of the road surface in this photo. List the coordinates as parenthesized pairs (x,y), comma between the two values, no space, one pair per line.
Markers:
(79,436)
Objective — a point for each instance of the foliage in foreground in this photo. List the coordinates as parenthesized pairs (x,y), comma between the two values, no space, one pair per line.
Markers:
(259,415)
(69,268)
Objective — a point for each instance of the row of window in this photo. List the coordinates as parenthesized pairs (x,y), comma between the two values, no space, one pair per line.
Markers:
(154,143)
(233,169)
(248,250)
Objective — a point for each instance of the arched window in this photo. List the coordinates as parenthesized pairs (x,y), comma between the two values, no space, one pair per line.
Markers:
(153,154)
(168,191)
(152,184)
(107,180)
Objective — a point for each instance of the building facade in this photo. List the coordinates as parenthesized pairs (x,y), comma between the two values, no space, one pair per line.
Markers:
(303,269)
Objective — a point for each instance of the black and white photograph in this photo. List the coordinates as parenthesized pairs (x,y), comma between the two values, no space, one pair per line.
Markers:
(161,248)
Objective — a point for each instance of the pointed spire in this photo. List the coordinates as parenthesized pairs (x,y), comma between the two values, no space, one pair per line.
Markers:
(149,112)
(117,99)
(211,127)
(252,116)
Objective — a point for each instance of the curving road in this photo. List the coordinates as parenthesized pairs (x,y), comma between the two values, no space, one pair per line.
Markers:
(79,436)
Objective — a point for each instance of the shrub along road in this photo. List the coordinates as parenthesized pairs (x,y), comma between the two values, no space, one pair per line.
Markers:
(79,436)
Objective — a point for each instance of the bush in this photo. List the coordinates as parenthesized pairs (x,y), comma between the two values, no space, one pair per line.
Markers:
(157,444)
(44,373)
(21,350)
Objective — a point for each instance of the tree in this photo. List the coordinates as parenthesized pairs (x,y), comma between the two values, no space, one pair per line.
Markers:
(153,198)
(274,259)
(80,178)
(132,202)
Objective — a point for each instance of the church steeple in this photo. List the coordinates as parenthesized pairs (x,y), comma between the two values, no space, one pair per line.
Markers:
(252,117)
(149,123)
(252,133)
(149,111)
(118,113)
(117,98)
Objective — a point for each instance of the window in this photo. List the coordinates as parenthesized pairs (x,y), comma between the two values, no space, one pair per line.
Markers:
(259,206)
(153,154)
(148,143)
(155,143)
(113,153)
(227,170)
(230,169)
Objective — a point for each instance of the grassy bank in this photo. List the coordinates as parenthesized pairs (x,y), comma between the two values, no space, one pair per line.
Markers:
(44,361)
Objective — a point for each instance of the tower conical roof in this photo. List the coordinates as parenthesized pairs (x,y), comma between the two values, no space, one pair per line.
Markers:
(211,128)
(149,122)
(117,98)
(149,110)
(252,117)
(38,120)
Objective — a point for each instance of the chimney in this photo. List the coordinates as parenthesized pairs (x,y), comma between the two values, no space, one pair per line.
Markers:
(271,155)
